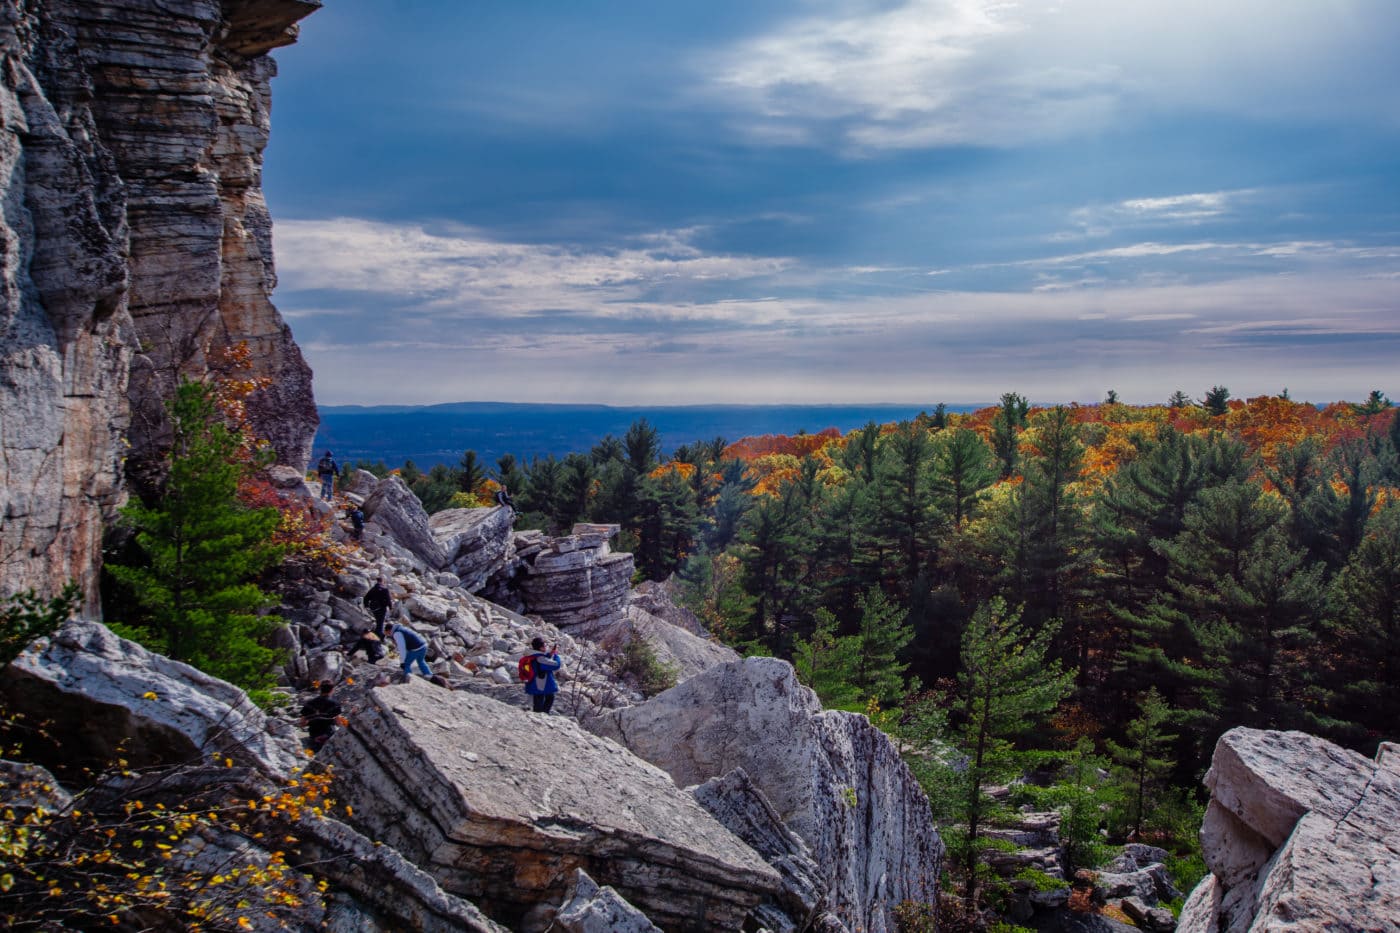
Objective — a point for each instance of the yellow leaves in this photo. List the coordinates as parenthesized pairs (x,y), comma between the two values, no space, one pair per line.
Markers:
(7,881)
(150,695)
(244,923)
(349,811)
(55,891)
(228,762)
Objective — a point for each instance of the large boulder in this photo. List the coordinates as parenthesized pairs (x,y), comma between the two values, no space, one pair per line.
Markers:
(576,582)
(658,597)
(833,778)
(503,806)
(684,651)
(1299,835)
(395,509)
(741,807)
(475,543)
(109,698)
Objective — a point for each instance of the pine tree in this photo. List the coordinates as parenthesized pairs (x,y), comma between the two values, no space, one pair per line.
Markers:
(963,466)
(827,662)
(1365,636)
(668,524)
(906,516)
(1006,428)
(880,637)
(204,548)
(471,474)
(1143,759)
(1216,400)
(1006,687)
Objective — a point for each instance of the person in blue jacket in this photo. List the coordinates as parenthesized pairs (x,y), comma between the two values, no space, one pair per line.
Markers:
(412,648)
(542,686)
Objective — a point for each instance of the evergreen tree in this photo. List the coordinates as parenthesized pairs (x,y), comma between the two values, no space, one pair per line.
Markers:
(1231,635)
(1143,759)
(1179,399)
(774,542)
(576,484)
(827,663)
(642,445)
(906,517)
(1007,686)
(509,474)
(1006,428)
(203,549)
(669,523)
(471,474)
(1216,400)
(1365,636)
(878,674)
(963,466)
(859,455)
(1375,403)
(543,492)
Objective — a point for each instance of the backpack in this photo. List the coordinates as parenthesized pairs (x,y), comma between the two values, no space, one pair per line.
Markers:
(526,668)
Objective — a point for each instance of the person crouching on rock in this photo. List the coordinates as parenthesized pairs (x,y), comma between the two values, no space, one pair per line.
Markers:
(319,716)
(542,687)
(412,648)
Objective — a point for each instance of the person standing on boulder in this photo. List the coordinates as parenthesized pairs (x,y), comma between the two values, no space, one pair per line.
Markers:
(542,686)
(320,715)
(326,469)
(413,648)
(379,602)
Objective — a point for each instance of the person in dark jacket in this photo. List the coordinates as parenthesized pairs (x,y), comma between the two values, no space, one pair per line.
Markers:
(319,716)
(413,648)
(379,602)
(326,469)
(542,686)
(357,520)
(504,500)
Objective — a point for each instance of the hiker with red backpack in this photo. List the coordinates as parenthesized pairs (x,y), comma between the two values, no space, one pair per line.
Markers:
(537,670)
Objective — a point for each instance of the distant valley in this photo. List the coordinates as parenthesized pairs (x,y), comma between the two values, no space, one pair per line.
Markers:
(434,434)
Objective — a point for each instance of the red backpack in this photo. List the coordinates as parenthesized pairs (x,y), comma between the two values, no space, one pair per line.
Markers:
(526,668)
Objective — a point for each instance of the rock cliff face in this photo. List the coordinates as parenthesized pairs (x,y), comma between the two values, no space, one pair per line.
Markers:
(1299,835)
(134,246)
(832,777)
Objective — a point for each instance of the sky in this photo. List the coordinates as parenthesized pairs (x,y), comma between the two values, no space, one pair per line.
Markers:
(839,201)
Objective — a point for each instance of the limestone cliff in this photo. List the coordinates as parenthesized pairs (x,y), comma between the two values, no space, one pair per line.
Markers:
(134,244)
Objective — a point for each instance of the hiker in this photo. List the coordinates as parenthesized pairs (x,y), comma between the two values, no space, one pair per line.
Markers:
(319,716)
(357,520)
(326,469)
(542,687)
(504,500)
(379,602)
(371,644)
(412,648)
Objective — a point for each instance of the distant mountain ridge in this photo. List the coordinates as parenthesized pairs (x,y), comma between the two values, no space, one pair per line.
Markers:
(431,434)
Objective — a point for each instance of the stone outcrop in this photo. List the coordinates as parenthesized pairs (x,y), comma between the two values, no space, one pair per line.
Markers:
(833,778)
(686,653)
(65,334)
(503,807)
(576,581)
(474,543)
(592,909)
(1299,835)
(743,810)
(99,691)
(135,247)
(659,598)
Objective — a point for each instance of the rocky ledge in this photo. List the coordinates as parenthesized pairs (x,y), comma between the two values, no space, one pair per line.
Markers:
(1299,835)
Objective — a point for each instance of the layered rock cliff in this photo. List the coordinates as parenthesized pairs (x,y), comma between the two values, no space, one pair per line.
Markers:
(135,245)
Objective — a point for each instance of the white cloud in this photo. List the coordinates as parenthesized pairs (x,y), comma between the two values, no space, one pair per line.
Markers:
(922,73)
(454,267)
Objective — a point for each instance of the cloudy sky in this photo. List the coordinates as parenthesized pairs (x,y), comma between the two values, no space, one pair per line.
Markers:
(840,200)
